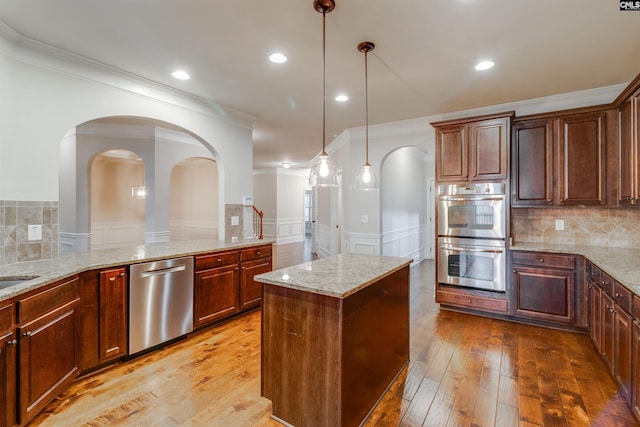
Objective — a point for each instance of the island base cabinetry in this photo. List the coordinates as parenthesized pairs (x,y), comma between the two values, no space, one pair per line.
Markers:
(326,360)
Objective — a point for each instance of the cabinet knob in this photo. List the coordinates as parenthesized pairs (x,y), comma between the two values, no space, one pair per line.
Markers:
(219,260)
(26,334)
(257,252)
(470,301)
(617,295)
(122,274)
(12,342)
(541,260)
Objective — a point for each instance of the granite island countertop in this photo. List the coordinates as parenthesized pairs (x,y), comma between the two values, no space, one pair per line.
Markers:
(337,276)
(623,264)
(66,265)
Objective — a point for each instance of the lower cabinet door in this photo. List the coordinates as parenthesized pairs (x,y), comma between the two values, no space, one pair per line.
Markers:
(113,313)
(622,350)
(250,290)
(8,345)
(635,387)
(608,324)
(48,358)
(216,294)
(546,294)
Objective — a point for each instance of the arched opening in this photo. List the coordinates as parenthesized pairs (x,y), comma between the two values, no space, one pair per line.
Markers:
(194,199)
(405,203)
(158,147)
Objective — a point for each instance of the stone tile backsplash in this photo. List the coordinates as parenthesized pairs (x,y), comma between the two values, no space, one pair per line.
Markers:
(15,216)
(619,227)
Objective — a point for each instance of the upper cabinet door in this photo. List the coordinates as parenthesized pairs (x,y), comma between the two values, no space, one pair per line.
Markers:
(532,168)
(451,153)
(582,158)
(627,182)
(488,149)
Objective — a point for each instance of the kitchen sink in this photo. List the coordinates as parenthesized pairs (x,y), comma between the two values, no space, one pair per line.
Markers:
(7,282)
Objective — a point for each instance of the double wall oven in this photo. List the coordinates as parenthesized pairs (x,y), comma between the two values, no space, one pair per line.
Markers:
(472,235)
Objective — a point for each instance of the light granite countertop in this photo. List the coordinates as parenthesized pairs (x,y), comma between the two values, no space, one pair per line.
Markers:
(623,264)
(66,265)
(337,276)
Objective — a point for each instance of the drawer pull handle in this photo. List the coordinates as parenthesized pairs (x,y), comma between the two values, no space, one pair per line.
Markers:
(617,295)
(257,252)
(470,301)
(12,342)
(26,334)
(219,260)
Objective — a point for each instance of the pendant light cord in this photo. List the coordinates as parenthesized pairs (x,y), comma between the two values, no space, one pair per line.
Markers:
(324,15)
(366,109)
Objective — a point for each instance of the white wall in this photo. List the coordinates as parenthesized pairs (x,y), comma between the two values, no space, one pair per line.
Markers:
(279,193)
(55,91)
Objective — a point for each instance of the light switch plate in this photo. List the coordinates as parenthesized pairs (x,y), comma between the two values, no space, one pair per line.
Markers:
(34,232)
(364,219)
(235,220)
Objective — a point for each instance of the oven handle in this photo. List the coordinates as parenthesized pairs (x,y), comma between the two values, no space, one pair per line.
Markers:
(452,248)
(470,199)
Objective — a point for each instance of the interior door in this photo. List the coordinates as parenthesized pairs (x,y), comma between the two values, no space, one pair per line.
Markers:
(325,239)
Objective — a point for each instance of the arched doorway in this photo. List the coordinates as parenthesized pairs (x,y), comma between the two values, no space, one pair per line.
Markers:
(405,203)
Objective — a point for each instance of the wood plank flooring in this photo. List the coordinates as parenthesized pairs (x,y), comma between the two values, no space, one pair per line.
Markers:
(464,371)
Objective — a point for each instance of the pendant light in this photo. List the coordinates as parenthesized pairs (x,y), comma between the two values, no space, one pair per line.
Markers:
(322,171)
(366,178)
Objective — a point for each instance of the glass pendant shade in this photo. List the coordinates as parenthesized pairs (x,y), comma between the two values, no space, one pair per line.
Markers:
(323,173)
(366,179)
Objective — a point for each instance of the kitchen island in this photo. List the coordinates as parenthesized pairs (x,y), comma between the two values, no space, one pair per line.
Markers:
(335,334)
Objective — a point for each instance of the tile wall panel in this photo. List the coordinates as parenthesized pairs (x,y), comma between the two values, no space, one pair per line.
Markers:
(618,227)
(15,217)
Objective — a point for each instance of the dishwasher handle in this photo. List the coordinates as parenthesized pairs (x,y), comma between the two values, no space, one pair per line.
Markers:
(160,271)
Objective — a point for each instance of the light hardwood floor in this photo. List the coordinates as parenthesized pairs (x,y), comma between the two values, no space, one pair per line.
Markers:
(464,371)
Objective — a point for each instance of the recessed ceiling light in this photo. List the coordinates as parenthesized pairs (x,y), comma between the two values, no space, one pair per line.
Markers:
(484,65)
(277,58)
(180,75)
(286,165)
(342,98)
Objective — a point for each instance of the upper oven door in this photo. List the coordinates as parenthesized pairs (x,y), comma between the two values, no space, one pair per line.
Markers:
(472,216)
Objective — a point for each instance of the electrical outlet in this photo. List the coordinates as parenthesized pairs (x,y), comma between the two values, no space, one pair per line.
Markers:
(559,224)
(34,232)
(235,220)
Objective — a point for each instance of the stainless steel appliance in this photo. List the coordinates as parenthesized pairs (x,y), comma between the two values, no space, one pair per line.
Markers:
(474,263)
(471,235)
(472,210)
(160,302)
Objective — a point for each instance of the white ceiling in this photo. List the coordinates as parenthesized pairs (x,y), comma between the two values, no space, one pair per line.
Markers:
(422,64)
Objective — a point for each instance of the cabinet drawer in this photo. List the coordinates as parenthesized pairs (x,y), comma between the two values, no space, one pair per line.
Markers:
(6,317)
(623,297)
(36,305)
(256,253)
(221,259)
(606,283)
(472,301)
(593,272)
(540,259)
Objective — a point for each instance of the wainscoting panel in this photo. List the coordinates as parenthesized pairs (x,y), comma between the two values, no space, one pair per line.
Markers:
(290,230)
(405,242)
(361,243)
(194,230)
(113,234)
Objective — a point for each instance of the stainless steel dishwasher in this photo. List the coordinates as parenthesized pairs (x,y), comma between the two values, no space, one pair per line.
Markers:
(160,302)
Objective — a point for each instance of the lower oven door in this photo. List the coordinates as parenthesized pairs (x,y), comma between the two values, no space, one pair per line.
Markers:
(473,263)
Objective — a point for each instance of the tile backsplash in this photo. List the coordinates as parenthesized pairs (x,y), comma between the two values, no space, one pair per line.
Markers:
(15,217)
(619,227)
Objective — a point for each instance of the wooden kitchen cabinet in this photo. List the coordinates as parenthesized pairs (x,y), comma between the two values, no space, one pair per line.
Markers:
(629,150)
(582,159)
(593,296)
(217,287)
(635,387)
(8,367)
(48,356)
(254,261)
(473,149)
(113,313)
(544,286)
(103,329)
(623,330)
(532,163)
(563,158)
